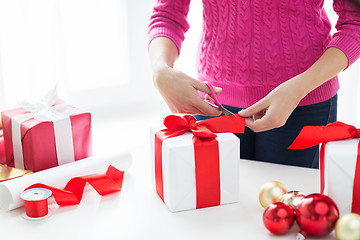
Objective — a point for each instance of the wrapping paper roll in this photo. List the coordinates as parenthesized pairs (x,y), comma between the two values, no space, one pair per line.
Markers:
(58,177)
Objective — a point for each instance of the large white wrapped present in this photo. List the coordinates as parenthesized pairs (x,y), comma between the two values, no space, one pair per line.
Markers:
(194,173)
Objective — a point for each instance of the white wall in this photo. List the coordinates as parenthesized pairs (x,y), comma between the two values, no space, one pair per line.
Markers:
(349,99)
(141,95)
(96,51)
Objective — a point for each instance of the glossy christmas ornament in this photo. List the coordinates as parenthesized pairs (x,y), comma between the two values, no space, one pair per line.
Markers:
(278,217)
(271,192)
(292,198)
(348,227)
(316,215)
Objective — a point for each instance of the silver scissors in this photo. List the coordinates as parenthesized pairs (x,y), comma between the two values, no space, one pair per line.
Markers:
(217,103)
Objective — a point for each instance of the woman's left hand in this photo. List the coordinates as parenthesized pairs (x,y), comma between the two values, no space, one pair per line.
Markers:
(273,110)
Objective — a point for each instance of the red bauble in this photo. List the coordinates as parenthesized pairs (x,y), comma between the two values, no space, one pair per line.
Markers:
(278,217)
(317,215)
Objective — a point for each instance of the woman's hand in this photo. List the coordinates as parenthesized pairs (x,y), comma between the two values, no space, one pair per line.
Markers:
(273,110)
(178,89)
(180,92)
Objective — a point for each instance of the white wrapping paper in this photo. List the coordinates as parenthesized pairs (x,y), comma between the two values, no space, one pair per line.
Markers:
(179,183)
(340,162)
(58,177)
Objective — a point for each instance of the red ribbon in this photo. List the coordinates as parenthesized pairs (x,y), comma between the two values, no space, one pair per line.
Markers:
(206,151)
(36,209)
(71,195)
(314,135)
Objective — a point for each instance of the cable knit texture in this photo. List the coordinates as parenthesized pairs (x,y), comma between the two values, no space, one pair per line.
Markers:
(250,47)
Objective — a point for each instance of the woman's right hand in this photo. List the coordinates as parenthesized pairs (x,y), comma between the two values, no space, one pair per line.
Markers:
(180,92)
(178,89)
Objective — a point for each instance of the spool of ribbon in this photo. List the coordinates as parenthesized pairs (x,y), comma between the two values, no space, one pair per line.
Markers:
(45,110)
(104,184)
(36,205)
(313,135)
(206,152)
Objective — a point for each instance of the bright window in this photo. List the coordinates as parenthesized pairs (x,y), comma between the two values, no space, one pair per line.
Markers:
(81,45)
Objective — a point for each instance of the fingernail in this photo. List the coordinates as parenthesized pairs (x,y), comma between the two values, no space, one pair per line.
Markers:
(242,110)
(217,88)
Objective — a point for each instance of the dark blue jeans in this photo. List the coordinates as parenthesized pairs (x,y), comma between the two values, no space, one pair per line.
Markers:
(272,146)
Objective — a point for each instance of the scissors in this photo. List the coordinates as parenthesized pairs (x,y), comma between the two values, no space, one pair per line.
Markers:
(217,103)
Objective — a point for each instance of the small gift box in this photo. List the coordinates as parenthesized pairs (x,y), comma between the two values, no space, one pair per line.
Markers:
(46,134)
(194,167)
(339,162)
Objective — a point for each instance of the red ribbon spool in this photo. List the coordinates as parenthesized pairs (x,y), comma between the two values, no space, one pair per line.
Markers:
(36,205)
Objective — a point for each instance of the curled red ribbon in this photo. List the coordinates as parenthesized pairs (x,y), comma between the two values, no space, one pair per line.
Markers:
(206,152)
(313,135)
(104,184)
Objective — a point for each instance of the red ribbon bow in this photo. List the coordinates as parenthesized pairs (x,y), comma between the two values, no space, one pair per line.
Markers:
(314,135)
(206,151)
(179,125)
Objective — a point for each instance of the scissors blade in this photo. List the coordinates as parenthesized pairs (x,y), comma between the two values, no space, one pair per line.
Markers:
(226,111)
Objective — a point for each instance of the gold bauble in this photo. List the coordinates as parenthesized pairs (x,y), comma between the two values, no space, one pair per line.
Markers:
(271,192)
(348,227)
(292,198)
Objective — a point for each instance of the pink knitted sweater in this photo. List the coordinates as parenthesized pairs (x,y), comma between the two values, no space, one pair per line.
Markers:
(250,47)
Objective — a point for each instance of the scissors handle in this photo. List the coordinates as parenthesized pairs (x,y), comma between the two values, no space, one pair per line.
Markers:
(217,102)
(213,94)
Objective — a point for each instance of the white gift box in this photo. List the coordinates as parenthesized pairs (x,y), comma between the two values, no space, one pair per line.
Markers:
(340,163)
(178,169)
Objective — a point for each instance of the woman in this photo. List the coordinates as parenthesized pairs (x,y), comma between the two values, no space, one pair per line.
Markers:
(274,62)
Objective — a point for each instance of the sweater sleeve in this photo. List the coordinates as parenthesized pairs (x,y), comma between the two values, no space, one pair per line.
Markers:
(169,19)
(347,37)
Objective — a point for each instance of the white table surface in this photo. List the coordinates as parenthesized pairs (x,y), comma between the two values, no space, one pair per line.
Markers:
(138,213)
